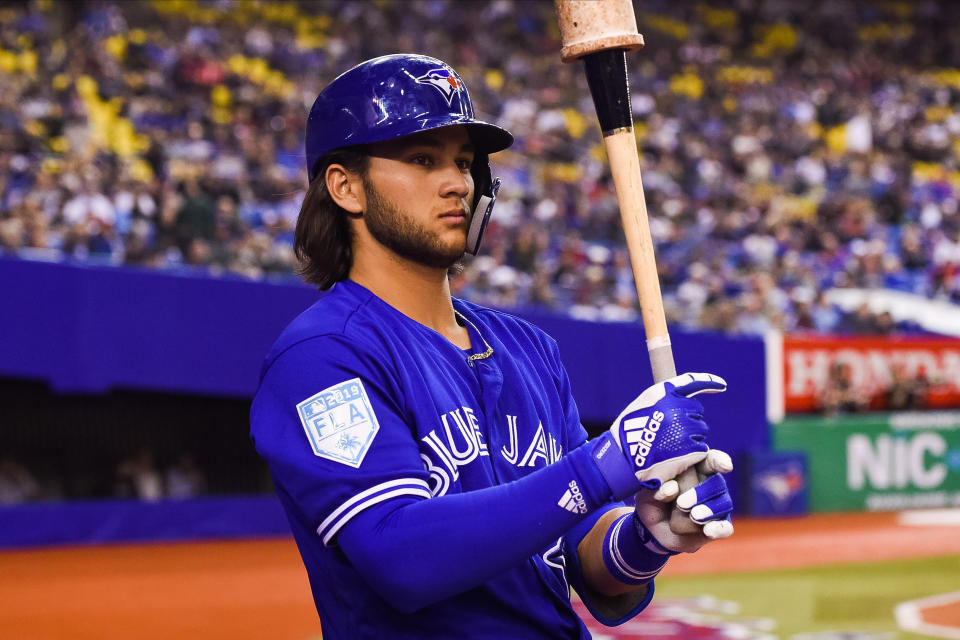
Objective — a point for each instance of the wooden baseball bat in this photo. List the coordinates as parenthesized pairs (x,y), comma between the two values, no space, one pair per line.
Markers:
(600,32)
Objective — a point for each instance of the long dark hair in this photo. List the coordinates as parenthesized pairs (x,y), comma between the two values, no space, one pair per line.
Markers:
(322,240)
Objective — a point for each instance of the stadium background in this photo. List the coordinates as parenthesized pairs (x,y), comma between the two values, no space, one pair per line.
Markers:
(800,165)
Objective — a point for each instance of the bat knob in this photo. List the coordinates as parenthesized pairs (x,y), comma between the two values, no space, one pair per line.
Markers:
(588,26)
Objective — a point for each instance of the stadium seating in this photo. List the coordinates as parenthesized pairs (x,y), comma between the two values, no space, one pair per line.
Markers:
(788,149)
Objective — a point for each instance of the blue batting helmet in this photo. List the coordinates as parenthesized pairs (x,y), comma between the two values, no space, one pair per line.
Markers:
(398,95)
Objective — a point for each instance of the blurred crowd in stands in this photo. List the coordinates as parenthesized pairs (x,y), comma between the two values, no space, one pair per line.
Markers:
(137,476)
(904,393)
(788,148)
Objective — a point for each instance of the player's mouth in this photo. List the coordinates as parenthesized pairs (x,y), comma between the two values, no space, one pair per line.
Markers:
(454,216)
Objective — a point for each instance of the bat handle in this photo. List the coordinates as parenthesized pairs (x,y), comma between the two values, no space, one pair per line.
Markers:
(680,522)
(662,364)
(661,358)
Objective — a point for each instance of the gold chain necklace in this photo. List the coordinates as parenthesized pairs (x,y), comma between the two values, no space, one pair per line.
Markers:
(476,356)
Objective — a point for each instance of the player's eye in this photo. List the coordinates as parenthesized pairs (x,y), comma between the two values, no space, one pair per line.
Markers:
(464,164)
(421,159)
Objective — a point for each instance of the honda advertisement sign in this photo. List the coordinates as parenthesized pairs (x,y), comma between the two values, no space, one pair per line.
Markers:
(850,373)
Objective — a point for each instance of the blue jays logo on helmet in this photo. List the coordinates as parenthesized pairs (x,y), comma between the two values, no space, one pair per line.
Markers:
(444,80)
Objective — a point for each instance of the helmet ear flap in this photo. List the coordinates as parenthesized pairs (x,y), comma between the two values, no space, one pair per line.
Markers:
(482,177)
(485,189)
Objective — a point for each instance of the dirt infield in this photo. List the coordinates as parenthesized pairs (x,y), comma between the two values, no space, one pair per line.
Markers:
(240,589)
(258,589)
(944,615)
(818,540)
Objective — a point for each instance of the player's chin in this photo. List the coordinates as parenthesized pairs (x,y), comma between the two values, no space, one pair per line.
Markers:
(453,262)
(453,245)
(445,254)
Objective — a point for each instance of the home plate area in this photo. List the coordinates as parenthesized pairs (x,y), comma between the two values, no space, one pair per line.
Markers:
(937,616)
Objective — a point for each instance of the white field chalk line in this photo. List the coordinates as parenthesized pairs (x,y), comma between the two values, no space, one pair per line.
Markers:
(909,617)
(930,518)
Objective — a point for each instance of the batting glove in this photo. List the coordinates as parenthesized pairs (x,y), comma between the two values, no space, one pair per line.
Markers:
(638,544)
(708,503)
(658,436)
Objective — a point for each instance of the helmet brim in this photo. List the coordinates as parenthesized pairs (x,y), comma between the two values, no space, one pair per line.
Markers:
(489,138)
(486,138)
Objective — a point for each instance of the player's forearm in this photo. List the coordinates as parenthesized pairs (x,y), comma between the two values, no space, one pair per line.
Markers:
(417,553)
(595,573)
(613,565)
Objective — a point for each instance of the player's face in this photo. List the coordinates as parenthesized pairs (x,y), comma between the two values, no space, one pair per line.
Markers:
(418,191)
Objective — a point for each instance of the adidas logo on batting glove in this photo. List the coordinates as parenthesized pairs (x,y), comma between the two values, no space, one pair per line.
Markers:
(659,435)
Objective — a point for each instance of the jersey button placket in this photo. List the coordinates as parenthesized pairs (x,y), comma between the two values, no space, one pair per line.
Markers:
(490,379)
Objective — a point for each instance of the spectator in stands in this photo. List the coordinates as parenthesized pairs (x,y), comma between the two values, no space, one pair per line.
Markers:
(138,477)
(17,484)
(839,395)
(906,393)
(196,217)
(826,317)
(863,321)
(185,478)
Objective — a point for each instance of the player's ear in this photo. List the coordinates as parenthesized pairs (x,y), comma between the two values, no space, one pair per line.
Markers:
(345,187)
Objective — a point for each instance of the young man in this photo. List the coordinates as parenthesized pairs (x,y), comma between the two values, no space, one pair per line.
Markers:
(428,452)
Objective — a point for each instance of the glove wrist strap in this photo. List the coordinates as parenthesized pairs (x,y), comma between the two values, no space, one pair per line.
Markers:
(627,554)
(615,469)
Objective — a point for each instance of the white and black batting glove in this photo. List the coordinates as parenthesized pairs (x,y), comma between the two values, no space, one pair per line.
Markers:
(658,436)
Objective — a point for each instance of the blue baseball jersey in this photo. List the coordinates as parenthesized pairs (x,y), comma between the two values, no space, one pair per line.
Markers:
(358,405)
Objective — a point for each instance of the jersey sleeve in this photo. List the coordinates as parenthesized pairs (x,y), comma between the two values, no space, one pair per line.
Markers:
(329,420)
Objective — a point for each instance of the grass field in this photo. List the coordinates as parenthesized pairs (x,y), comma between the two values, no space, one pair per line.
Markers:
(846,597)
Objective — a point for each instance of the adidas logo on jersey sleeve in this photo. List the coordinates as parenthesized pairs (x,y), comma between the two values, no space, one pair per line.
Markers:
(572,500)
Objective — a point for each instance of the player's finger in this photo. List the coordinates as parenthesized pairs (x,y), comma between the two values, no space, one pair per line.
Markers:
(718,529)
(682,525)
(691,384)
(712,509)
(667,491)
(716,462)
(711,488)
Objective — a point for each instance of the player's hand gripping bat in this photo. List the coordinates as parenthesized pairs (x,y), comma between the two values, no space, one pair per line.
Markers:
(600,32)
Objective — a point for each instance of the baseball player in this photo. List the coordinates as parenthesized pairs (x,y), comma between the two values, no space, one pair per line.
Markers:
(428,452)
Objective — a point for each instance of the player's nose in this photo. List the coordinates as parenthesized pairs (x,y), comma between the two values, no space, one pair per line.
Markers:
(455,182)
